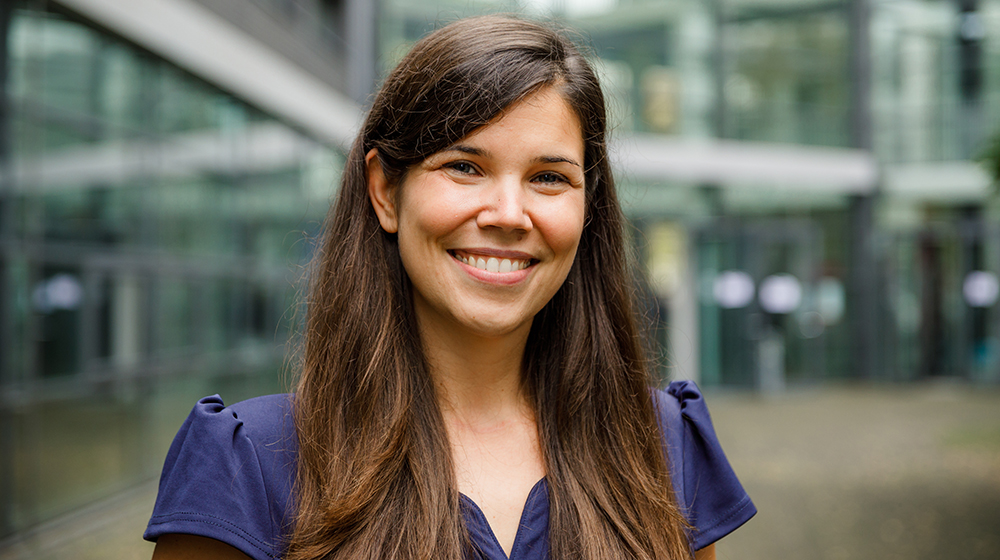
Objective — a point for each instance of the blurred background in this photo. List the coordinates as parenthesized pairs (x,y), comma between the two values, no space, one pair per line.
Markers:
(808,180)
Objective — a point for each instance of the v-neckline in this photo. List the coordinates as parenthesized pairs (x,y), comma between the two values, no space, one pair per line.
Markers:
(521,523)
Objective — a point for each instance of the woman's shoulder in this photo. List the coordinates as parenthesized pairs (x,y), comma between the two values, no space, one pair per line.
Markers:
(261,426)
(679,397)
(229,473)
(680,409)
(260,418)
(707,489)
(260,429)
(684,420)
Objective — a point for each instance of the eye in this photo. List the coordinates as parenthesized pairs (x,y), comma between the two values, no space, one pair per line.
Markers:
(550,177)
(462,167)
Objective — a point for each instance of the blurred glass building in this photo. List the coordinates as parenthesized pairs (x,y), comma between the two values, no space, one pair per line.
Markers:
(799,174)
(165,165)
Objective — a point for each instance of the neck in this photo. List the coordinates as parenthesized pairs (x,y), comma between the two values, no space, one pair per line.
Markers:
(477,378)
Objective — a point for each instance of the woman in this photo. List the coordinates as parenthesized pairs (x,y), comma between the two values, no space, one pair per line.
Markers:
(472,383)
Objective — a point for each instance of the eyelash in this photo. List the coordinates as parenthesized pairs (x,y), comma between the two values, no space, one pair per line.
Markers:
(557,177)
(467,168)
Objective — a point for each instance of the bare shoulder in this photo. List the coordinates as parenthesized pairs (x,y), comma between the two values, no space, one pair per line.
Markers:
(190,547)
(707,553)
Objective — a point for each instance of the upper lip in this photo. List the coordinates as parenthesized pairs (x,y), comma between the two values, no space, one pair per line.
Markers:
(498,253)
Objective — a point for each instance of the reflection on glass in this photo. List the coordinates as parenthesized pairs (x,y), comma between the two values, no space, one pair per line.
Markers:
(157,235)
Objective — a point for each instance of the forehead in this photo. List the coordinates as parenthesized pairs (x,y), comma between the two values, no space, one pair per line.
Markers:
(542,120)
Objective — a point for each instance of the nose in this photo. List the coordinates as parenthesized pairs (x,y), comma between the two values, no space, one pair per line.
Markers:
(505,207)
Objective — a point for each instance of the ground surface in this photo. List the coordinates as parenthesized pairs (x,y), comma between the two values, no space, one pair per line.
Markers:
(861,474)
(837,473)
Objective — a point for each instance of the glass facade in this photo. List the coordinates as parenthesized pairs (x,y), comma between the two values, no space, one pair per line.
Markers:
(879,277)
(936,100)
(153,233)
(936,79)
(786,75)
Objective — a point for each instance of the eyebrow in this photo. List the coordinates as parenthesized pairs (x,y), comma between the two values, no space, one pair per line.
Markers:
(557,159)
(473,151)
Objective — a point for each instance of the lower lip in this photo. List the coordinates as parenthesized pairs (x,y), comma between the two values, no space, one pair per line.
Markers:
(501,278)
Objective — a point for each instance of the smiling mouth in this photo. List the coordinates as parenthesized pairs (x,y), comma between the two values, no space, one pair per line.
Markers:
(492,264)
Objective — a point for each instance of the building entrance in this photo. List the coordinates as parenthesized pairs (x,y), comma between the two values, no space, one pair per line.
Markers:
(770,303)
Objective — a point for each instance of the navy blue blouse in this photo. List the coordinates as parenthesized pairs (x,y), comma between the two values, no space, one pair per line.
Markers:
(230,470)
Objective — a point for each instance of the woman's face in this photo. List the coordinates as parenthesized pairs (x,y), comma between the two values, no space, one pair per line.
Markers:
(488,228)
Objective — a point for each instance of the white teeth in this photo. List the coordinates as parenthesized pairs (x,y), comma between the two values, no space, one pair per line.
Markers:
(494,264)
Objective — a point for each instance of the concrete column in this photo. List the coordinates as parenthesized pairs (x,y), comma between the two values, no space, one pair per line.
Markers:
(862,287)
(694,44)
(683,310)
(360,33)
(126,322)
(7,419)
(916,93)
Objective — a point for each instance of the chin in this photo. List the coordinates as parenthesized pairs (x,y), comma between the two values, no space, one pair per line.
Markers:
(494,328)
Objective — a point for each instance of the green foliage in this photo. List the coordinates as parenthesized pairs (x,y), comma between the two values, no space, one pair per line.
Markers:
(990,159)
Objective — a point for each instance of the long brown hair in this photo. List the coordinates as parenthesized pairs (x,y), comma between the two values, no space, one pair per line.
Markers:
(375,477)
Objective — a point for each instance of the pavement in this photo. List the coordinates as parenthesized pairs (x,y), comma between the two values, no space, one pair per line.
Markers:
(908,472)
(107,530)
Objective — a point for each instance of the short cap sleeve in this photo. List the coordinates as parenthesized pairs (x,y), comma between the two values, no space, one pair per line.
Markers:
(710,495)
(228,476)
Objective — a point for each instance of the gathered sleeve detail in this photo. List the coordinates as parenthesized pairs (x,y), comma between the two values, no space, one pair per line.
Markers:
(227,476)
(706,488)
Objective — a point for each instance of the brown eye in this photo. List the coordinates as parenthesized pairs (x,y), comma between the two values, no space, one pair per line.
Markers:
(551,178)
(463,167)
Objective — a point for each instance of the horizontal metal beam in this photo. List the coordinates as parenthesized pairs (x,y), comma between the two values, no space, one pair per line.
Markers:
(132,163)
(196,39)
(113,261)
(944,181)
(734,164)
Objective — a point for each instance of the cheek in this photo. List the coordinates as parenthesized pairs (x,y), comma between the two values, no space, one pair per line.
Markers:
(429,215)
(567,227)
